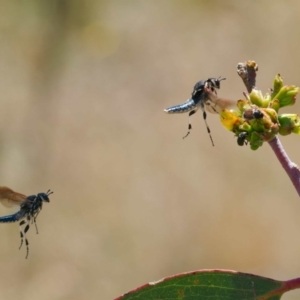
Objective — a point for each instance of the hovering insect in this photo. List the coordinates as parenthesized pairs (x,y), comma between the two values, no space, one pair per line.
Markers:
(241,140)
(30,207)
(202,95)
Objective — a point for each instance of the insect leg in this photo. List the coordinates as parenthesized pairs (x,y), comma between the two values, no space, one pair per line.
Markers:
(207,127)
(189,123)
(34,221)
(23,234)
(211,107)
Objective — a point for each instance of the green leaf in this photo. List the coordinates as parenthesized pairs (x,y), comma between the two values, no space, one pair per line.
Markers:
(211,285)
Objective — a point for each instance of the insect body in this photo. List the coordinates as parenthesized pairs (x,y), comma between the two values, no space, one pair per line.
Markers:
(253,113)
(241,140)
(30,207)
(200,98)
(187,106)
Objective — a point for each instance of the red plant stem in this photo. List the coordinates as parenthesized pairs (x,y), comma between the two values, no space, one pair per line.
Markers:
(288,285)
(292,284)
(291,168)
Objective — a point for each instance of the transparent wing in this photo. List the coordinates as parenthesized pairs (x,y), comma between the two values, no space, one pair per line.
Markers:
(215,104)
(9,198)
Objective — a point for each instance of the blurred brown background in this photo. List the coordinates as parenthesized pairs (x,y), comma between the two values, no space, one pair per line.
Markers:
(83,87)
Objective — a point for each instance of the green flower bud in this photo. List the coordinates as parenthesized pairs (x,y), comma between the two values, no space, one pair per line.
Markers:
(289,123)
(287,95)
(257,120)
(267,98)
(259,124)
(256,140)
(257,98)
(277,85)
(274,104)
(272,114)
(245,127)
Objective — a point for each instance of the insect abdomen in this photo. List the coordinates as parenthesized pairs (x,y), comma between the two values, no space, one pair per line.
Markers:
(11,218)
(181,108)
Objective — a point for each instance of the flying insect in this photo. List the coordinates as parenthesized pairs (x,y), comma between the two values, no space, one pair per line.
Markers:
(30,207)
(203,96)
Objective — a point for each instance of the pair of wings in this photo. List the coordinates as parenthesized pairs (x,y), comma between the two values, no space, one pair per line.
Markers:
(8,197)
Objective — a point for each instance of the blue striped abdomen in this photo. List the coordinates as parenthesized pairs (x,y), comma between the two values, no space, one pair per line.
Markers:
(187,106)
(12,218)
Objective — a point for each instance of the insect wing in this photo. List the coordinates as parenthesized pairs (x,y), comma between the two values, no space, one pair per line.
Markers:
(215,104)
(9,198)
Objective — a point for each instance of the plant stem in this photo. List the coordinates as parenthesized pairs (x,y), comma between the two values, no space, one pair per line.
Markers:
(290,168)
(287,286)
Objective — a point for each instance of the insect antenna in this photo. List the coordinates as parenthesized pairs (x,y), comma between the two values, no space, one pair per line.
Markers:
(220,79)
(49,192)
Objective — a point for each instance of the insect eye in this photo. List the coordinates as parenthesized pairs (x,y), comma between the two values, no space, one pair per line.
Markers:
(44,197)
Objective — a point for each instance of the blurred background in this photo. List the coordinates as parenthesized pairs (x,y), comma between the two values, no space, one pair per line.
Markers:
(83,87)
